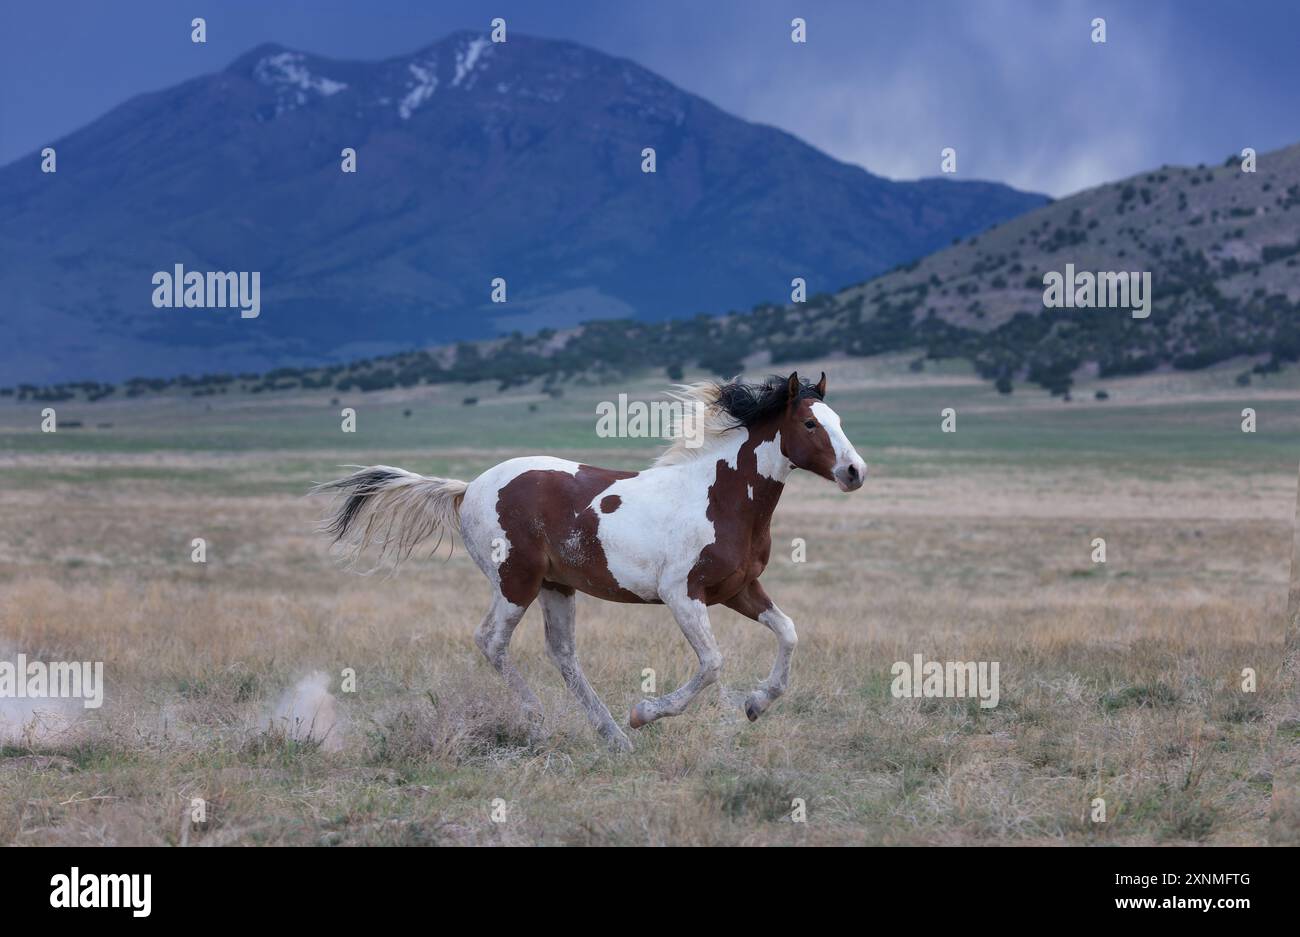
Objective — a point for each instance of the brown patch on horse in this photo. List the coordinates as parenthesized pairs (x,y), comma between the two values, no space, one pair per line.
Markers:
(609,504)
(547,517)
(742,541)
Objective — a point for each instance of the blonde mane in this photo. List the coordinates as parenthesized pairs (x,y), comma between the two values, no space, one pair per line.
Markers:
(717,423)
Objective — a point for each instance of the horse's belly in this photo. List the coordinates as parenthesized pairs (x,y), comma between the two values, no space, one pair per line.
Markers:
(578,561)
(580,581)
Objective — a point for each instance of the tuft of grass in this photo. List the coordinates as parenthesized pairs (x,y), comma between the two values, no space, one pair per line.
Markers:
(1147,695)
(748,794)
(450,729)
(280,746)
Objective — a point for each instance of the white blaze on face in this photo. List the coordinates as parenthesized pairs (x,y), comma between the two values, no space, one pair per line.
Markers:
(846,457)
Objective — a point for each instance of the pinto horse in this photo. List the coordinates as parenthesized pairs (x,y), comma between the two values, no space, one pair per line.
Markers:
(689,532)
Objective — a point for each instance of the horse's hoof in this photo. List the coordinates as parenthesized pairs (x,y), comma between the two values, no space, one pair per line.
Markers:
(756,704)
(635,719)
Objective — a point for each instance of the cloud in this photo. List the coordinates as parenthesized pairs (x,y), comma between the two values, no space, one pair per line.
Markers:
(1016,85)
(1019,89)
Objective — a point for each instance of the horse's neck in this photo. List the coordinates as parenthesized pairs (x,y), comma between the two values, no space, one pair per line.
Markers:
(766,470)
(747,472)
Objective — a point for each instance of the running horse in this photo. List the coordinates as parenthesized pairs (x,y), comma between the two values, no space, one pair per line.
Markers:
(689,532)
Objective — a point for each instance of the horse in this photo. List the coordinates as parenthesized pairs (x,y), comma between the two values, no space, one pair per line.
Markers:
(689,532)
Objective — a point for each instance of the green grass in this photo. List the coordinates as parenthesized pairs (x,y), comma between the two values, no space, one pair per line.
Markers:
(894,426)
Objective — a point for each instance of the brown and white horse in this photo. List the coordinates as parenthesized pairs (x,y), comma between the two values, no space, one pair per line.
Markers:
(689,532)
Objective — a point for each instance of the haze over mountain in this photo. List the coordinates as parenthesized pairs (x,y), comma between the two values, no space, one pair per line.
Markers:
(519,160)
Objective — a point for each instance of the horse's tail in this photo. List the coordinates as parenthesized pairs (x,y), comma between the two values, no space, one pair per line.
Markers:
(391,508)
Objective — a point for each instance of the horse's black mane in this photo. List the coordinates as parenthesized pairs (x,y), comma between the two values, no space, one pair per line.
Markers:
(748,404)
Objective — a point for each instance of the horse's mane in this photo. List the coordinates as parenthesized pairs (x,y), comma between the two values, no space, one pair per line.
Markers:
(727,407)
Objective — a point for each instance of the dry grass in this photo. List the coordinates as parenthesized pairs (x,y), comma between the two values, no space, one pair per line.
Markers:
(1120,681)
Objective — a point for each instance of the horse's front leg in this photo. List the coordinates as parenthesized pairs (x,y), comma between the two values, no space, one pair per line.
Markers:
(753,602)
(693,617)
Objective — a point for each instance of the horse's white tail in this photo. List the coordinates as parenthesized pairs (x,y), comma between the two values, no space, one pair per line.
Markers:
(392,508)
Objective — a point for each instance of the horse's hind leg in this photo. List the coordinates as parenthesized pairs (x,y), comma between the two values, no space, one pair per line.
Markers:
(693,618)
(558,608)
(493,639)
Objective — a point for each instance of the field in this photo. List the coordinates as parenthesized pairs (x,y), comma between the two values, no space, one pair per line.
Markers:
(1119,680)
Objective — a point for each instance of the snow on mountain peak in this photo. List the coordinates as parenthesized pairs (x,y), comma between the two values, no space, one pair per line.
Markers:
(467,58)
(422,80)
(286,73)
(425,75)
(287,68)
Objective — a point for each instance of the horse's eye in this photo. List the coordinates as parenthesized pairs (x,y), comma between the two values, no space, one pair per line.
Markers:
(810,423)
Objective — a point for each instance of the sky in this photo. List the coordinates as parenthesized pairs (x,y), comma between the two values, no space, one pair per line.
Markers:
(1017,87)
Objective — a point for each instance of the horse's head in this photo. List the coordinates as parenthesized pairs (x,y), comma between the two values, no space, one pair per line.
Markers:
(812,439)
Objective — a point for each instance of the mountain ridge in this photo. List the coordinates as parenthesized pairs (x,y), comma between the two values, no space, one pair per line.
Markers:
(1222,247)
(459,181)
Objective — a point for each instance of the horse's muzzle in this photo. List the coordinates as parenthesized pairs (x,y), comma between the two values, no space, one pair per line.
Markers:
(851,476)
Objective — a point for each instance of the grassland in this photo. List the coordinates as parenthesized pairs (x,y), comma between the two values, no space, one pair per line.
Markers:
(1119,680)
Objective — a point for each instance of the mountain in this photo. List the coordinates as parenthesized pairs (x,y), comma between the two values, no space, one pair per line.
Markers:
(1222,248)
(475,160)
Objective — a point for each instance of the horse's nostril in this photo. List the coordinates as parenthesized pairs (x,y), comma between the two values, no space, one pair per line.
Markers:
(853,472)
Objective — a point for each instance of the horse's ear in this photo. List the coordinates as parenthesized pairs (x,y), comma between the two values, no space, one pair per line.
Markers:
(792,389)
(821,387)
